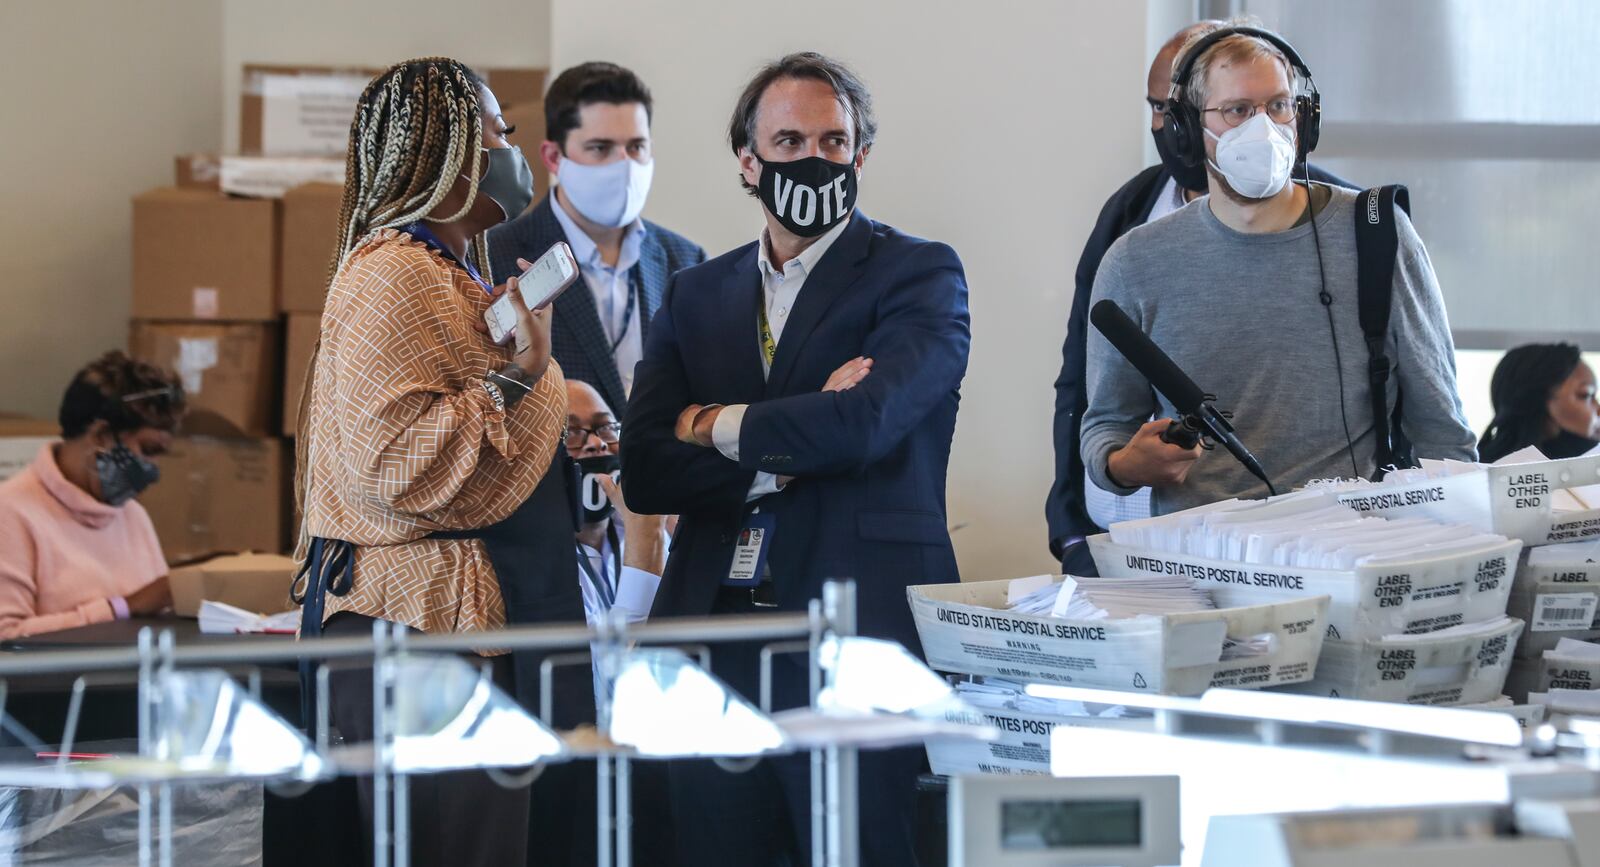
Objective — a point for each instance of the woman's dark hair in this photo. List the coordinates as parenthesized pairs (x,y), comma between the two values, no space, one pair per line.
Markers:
(847,86)
(125,393)
(1520,390)
(586,84)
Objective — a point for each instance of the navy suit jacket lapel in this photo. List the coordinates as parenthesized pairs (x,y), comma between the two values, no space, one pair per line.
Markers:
(835,272)
(741,292)
(650,276)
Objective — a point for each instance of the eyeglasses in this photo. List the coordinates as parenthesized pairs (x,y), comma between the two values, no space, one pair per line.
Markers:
(1280,110)
(608,433)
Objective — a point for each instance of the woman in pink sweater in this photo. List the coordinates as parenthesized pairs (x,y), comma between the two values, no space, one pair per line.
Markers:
(75,548)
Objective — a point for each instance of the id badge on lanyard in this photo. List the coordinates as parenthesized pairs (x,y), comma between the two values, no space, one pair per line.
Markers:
(749,566)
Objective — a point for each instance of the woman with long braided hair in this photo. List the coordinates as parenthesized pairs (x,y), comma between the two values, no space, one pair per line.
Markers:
(420,439)
(1543,395)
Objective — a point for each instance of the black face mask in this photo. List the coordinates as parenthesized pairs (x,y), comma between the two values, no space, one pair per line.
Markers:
(809,196)
(591,497)
(1566,445)
(1192,178)
(123,474)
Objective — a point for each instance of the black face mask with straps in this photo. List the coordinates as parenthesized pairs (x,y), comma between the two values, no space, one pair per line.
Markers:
(123,474)
(1192,178)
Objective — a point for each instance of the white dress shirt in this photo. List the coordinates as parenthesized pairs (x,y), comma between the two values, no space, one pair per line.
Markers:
(780,290)
(1104,507)
(609,284)
(635,590)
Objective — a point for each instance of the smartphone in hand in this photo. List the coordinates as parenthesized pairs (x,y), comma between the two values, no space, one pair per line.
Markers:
(539,286)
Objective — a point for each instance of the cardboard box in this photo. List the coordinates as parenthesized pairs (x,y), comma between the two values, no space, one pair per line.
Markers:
(229,372)
(966,628)
(197,172)
(517,85)
(299,110)
(1556,600)
(254,582)
(310,237)
(271,177)
(1534,502)
(200,255)
(304,328)
(221,496)
(1432,669)
(528,118)
(1369,602)
(21,437)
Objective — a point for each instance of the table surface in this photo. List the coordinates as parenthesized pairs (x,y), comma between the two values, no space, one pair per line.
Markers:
(125,633)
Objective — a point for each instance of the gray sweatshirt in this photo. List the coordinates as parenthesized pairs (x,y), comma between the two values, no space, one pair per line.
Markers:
(1239,312)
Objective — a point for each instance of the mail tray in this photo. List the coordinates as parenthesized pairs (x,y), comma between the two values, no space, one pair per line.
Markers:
(1023,746)
(967,628)
(1422,669)
(1411,597)
(1556,600)
(1516,500)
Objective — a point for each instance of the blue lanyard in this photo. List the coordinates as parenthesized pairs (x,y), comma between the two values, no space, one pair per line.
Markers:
(425,235)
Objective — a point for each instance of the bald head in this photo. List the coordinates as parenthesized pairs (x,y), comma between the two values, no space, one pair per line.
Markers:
(1158,84)
(587,409)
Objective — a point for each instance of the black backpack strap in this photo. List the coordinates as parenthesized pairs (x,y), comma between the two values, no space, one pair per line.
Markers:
(1377,244)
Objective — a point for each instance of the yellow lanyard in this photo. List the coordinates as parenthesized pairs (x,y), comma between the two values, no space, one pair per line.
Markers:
(769,347)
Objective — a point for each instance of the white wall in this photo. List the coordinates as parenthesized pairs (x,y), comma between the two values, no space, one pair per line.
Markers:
(102,96)
(986,142)
(319,32)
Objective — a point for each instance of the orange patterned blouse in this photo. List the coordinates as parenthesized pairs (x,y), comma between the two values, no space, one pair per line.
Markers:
(404,440)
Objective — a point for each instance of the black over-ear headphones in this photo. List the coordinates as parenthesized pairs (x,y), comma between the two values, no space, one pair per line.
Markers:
(1181,124)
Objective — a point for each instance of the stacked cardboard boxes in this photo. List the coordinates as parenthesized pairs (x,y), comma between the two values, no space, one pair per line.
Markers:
(228,291)
(205,305)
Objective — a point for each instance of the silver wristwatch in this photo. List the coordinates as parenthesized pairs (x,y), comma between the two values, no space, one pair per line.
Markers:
(496,395)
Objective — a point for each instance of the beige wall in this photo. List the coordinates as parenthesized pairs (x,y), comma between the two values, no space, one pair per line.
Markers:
(983,144)
(102,96)
(319,32)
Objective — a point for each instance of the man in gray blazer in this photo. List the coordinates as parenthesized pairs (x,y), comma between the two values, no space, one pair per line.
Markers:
(597,147)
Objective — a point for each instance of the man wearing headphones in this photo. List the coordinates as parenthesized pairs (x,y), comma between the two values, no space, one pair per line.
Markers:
(1254,293)
(1076,508)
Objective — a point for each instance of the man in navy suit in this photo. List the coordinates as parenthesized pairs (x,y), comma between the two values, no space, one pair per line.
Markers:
(597,147)
(806,385)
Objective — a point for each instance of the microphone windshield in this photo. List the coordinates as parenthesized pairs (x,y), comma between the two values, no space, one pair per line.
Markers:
(1146,357)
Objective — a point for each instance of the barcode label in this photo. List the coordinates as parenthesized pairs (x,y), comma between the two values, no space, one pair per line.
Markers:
(1563,611)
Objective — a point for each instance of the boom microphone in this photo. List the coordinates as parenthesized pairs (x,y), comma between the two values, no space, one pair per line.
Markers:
(1197,416)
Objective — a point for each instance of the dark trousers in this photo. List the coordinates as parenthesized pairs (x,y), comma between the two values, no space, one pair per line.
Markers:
(762,817)
(459,819)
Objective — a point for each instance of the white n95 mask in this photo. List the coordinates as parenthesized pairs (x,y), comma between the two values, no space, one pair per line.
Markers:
(610,195)
(1255,157)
